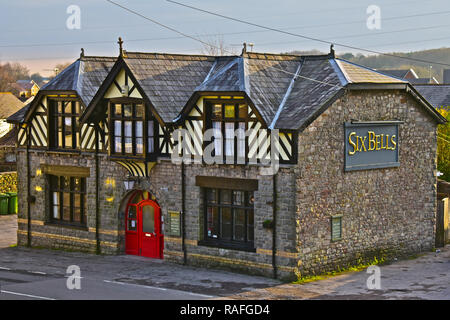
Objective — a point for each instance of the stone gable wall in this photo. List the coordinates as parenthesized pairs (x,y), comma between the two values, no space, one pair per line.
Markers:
(385,212)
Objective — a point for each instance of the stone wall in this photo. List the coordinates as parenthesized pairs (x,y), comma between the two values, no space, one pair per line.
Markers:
(385,212)
(45,234)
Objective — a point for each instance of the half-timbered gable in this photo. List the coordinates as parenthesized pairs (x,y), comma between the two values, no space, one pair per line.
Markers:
(51,120)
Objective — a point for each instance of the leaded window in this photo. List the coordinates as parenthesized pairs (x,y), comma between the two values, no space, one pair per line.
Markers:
(229,217)
(64,124)
(133,130)
(229,123)
(68,200)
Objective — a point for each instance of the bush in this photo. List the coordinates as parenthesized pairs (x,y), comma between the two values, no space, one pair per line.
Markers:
(8,182)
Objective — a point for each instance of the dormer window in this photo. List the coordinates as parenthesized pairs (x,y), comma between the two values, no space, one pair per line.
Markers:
(133,130)
(64,116)
(225,119)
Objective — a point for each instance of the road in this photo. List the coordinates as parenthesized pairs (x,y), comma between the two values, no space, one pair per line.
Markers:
(40,274)
(25,285)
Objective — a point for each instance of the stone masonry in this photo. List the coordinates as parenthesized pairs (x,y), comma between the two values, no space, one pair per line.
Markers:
(385,212)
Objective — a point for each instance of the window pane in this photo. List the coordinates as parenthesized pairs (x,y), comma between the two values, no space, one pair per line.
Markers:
(229,111)
(148,219)
(77,207)
(139,111)
(128,145)
(55,199)
(138,129)
(117,128)
(211,195)
(241,139)
(217,126)
(150,128)
(139,145)
(68,107)
(66,206)
(118,110)
(225,196)
(213,222)
(127,110)
(226,223)
(238,197)
(250,225)
(239,224)
(242,111)
(151,147)
(60,107)
(128,129)
(118,144)
(217,111)
(229,138)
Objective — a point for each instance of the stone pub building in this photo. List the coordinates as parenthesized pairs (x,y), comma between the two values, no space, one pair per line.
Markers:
(355,176)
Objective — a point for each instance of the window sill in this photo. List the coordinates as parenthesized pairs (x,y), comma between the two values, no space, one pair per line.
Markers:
(66,225)
(68,152)
(227,245)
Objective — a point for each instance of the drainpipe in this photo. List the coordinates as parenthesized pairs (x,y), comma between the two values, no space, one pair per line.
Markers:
(183,218)
(97,198)
(274,230)
(28,188)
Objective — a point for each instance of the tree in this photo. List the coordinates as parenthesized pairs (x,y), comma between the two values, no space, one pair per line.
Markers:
(216,47)
(444,146)
(10,73)
(36,77)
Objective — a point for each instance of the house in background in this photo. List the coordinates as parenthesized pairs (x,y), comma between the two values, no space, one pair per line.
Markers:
(9,105)
(27,88)
(409,75)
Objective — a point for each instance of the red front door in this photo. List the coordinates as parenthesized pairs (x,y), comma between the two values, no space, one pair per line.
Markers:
(143,235)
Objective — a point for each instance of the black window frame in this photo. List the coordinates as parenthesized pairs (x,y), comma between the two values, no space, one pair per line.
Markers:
(210,118)
(134,118)
(247,244)
(55,114)
(56,184)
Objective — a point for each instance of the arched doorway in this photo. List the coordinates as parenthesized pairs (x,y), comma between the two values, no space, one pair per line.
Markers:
(143,236)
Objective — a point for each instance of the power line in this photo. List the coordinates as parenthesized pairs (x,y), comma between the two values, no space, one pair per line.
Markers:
(306,37)
(211,45)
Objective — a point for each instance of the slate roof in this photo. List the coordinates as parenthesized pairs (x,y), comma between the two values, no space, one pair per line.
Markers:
(168,80)
(10,138)
(9,104)
(25,84)
(288,91)
(84,76)
(436,94)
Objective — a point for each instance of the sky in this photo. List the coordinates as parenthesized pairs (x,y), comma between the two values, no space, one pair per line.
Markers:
(41,34)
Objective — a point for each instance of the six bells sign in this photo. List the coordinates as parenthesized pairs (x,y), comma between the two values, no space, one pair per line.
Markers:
(371,145)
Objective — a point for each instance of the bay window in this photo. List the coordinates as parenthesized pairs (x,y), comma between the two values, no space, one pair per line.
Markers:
(64,116)
(225,119)
(133,129)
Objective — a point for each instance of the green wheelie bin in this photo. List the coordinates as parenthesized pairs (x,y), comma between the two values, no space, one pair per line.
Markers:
(12,202)
(4,203)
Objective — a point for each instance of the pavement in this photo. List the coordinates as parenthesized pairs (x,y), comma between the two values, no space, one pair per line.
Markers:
(8,230)
(41,274)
